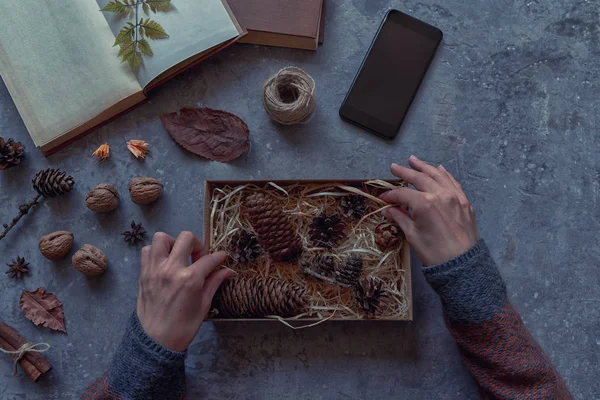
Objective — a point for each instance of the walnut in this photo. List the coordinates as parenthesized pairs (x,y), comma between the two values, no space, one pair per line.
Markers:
(56,245)
(145,190)
(102,198)
(90,260)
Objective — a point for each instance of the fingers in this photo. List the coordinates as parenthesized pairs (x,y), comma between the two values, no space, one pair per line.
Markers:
(451,177)
(207,264)
(186,244)
(427,169)
(403,195)
(419,180)
(145,258)
(161,247)
(400,217)
(212,283)
(444,179)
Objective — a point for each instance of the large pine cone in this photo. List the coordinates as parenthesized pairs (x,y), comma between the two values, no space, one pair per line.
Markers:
(369,292)
(274,228)
(52,182)
(327,230)
(244,247)
(259,297)
(11,153)
(327,268)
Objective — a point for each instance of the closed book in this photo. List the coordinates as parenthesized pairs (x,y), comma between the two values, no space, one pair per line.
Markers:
(282,23)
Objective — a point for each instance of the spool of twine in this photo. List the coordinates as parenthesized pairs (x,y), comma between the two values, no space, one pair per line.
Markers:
(289,97)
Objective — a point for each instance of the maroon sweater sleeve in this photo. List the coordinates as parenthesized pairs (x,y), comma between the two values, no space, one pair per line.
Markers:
(503,357)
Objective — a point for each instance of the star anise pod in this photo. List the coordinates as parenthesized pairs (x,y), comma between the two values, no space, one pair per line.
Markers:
(18,268)
(136,234)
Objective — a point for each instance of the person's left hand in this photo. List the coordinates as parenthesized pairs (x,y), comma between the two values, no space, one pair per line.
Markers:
(174,297)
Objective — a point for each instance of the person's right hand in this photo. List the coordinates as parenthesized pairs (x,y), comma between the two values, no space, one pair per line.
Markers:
(442,225)
(174,297)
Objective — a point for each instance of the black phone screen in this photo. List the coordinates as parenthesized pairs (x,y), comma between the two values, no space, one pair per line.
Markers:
(391,73)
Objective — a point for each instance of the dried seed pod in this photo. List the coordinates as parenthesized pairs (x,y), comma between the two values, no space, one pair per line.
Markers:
(244,247)
(276,233)
(103,198)
(56,245)
(388,236)
(90,260)
(145,190)
(258,297)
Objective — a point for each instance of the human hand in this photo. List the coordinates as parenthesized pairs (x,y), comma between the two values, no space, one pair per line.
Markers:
(442,225)
(174,297)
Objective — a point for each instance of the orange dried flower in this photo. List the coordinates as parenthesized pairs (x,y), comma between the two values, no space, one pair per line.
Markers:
(102,152)
(139,148)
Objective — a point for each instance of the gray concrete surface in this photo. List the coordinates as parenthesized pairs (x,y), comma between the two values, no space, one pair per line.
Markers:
(510,106)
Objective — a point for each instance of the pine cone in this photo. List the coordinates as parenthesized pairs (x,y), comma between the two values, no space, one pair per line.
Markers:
(321,267)
(18,268)
(327,230)
(52,183)
(11,153)
(368,294)
(354,206)
(244,247)
(259,297)
(388,236)
(274,228)
(327,268)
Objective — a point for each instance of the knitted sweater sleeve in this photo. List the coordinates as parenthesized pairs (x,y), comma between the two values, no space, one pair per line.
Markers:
(141,369)
(500,353)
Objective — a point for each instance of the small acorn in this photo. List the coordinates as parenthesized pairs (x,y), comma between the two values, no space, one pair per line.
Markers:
(103,198)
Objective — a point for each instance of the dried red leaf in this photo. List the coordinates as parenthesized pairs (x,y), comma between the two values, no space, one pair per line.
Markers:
(44,309)
(213,134)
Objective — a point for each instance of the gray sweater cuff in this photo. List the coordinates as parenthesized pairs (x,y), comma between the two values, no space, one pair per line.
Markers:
(143,369)
(470,286)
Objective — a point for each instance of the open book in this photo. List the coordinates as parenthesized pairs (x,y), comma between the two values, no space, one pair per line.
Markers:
(58,61)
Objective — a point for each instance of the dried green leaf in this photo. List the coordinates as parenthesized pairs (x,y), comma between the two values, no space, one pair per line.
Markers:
(158,5)
(125,34)
(135,60)
(154,30)
(116,7)
(127,47)
(144,47)
(146,8)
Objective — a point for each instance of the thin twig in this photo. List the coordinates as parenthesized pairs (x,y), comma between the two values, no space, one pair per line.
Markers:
(23,209)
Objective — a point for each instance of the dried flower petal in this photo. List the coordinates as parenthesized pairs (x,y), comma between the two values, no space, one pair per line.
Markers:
(102,152)
(139,148)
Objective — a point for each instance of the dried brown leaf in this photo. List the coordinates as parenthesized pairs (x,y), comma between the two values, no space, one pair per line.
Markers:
(44,309)
(213,134)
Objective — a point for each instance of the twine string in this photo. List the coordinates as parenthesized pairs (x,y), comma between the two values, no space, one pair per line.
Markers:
(290,81)
(23,350)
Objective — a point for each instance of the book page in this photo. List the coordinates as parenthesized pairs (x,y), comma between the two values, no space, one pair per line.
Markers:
(193,27)
(57,62)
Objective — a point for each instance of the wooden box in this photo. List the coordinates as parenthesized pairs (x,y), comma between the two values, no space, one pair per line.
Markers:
(404,253)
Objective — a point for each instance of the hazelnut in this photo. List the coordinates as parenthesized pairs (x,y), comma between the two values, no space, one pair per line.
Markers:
(102,198)
(56,245)
(145,190)
(90,260)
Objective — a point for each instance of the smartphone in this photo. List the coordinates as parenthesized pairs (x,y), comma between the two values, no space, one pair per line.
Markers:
(391,74)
